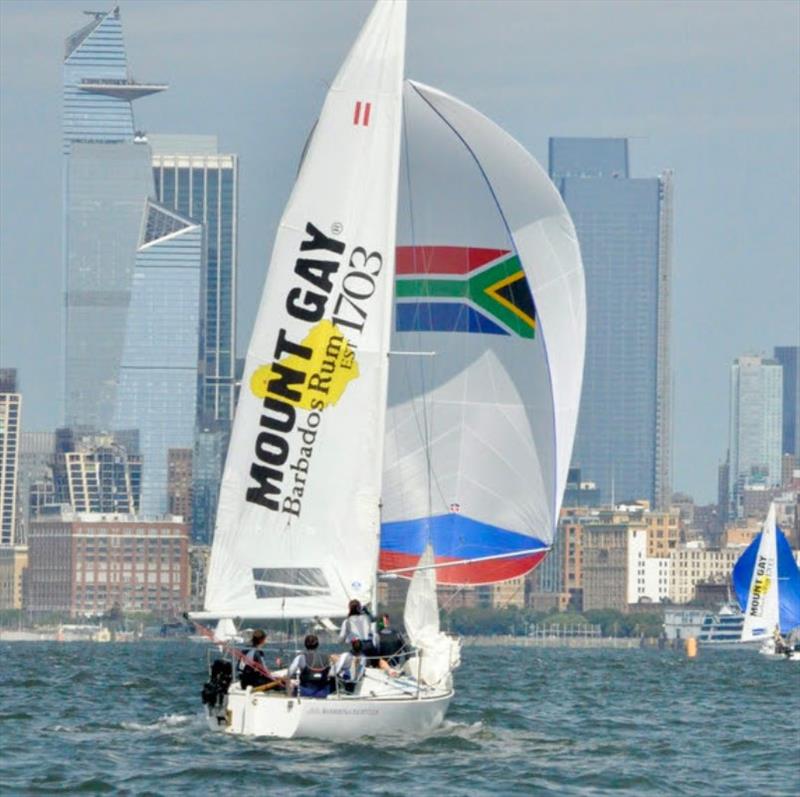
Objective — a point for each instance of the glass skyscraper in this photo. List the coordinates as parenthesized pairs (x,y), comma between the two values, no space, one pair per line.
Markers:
(201,184)
(210,447)
(10,420)
(158,373)
(756,416)
(624,228)
(106,181)
(789,358)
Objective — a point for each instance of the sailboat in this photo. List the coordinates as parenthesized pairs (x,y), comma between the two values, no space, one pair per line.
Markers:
(410,391)
(767,583)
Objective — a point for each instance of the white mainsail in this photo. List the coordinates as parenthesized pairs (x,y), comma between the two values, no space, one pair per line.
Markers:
(298,517)
(761,616)
(490,288)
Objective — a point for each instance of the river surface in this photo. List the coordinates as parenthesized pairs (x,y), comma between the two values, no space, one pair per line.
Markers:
(78,718)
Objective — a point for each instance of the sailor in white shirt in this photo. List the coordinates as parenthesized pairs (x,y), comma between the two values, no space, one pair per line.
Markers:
(312,669)
(358,625)
(350,666)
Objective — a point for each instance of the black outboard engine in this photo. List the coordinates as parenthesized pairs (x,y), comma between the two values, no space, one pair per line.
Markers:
(215,690)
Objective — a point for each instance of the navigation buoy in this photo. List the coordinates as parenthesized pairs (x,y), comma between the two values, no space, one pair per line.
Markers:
(691,647)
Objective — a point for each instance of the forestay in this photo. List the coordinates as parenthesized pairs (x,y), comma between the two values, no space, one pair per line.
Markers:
(298,519)
(767,583)
(490,291)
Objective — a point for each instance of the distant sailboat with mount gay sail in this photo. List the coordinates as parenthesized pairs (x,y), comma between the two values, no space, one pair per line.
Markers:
(461,447)
(767,583)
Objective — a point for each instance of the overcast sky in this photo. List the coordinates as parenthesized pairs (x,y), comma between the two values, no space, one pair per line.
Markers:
(708,89)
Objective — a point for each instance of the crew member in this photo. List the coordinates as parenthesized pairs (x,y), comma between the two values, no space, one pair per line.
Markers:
(358,625)
(390,642)
(251,676)
(349,669)
(313,669)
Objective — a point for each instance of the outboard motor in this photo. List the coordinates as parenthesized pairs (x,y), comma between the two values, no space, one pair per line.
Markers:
(215,690)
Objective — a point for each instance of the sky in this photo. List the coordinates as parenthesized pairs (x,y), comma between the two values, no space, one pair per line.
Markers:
(710,90)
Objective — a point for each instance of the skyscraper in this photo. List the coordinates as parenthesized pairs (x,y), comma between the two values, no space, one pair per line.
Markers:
(34,477)
(624,228)
(192,177)
(107,178)
(158,371)
(755,430)
(789,358)
(10,418)
(201,184)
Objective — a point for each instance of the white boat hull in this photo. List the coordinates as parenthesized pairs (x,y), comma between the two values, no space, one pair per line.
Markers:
(390,707)
(768,650)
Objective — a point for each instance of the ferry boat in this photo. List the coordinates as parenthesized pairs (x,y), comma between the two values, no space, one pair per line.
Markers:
(723,628)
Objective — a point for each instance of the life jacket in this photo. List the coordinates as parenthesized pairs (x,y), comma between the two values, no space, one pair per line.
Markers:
(317,669)
(389,642)
(252,655)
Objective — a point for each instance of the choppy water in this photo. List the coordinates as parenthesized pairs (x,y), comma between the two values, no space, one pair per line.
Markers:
(125,719)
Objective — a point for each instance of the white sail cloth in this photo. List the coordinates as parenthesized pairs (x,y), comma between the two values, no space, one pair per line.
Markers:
(438,653)
(298,517)
(761,617)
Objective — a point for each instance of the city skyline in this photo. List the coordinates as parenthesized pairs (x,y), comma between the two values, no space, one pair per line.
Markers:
(730,135)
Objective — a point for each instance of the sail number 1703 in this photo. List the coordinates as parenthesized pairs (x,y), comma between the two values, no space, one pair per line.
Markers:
(357,286)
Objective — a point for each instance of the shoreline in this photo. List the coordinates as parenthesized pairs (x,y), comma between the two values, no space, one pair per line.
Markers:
(557,642)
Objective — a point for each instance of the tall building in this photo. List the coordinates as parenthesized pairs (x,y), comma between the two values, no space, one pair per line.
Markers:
(179,483)
(103,478)
(10,420)
(624,227)
(194,179)
(158,368)
(605,566)
(36,452)
(210,446)
(90,471)
(789,358)
(756,426)
(107,177)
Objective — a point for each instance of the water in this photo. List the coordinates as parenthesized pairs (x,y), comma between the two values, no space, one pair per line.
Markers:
(125,719)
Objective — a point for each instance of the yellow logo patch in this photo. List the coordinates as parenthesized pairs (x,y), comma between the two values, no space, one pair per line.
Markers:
(761,586)
(329,369)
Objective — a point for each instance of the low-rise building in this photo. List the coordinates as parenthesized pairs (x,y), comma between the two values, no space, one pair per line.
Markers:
(694,563)
(86,564)
(13,563)
(504,594)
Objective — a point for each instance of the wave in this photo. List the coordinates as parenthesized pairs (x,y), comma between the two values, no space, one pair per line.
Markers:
(166,722)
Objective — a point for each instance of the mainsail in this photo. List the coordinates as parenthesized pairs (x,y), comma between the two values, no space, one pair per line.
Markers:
(490,307)
(298,518)
(767,583)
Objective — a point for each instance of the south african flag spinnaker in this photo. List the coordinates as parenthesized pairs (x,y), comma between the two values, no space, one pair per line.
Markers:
(462,289)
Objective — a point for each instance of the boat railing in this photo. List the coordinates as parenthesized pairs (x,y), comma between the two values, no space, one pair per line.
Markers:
(279,659)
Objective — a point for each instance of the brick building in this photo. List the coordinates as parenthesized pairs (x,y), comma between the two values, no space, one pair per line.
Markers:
(88,563)
(179,482)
